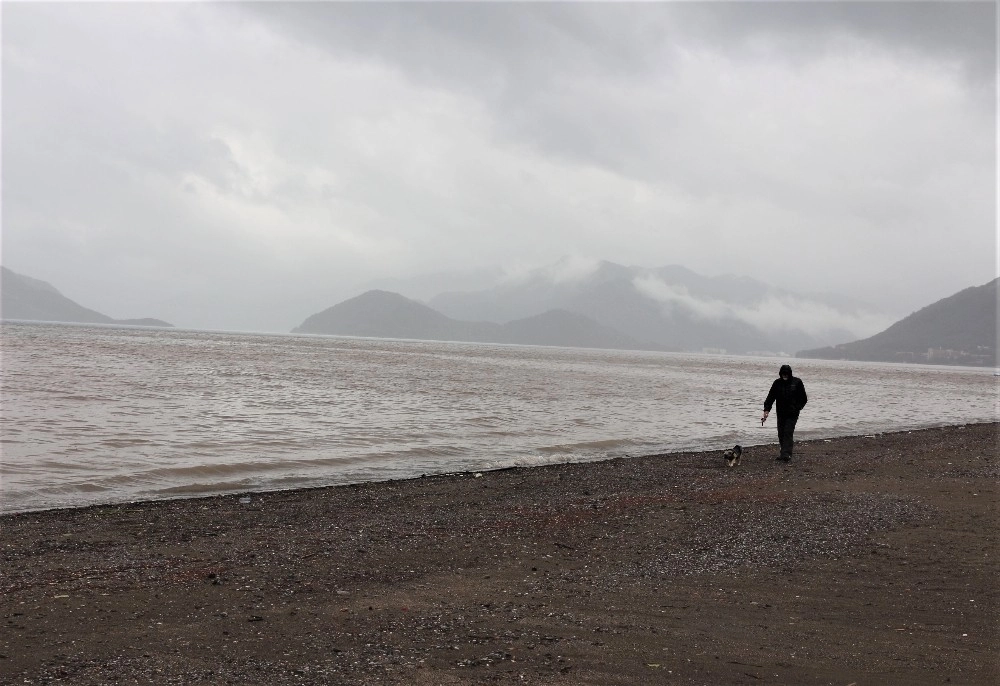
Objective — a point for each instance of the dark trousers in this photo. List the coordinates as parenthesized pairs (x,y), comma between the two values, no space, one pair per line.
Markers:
(786,431)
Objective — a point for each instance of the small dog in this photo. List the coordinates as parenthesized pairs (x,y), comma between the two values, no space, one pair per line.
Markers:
(733,456)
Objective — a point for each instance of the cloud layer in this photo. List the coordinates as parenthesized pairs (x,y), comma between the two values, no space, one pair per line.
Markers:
(245,165)
(772,313)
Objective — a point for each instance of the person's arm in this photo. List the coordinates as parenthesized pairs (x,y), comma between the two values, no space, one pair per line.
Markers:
(803,398)
(771,395)
(769,401)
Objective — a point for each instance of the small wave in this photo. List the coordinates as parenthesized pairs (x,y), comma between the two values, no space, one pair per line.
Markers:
(203,488)
(124,442)
(609,445)
(87,398)
(217,476)
(88,487)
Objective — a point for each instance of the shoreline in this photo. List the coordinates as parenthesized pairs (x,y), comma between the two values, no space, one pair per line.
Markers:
(870,559)
(295,489)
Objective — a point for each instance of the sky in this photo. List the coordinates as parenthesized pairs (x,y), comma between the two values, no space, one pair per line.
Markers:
(241,166)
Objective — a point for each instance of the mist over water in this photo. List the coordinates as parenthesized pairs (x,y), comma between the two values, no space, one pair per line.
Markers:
(96,414)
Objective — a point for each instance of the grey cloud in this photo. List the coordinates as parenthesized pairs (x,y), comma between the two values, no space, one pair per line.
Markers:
(592,83)
(963,32)
(771,313)
(481,45)
(283,152)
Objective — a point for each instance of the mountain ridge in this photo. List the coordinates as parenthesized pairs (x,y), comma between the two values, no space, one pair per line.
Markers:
(384,314)
(672,307)
(607,305)
(958,329)
(29,299)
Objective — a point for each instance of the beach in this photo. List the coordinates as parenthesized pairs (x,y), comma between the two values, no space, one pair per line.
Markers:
(866,560)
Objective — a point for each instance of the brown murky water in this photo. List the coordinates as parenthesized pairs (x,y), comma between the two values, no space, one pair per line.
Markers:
(98,414)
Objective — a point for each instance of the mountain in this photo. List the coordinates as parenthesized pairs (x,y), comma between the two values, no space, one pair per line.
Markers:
(382,314)
(672,307)
(22,297)
(960,329)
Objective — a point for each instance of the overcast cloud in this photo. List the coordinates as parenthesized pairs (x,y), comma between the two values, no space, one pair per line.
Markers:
(242,166)
(773,313)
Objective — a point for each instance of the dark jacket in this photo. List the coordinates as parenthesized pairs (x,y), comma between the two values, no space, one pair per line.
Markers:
(790,394)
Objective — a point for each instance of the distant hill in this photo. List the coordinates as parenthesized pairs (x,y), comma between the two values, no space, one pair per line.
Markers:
(22,297)
(383,314)
(960,329)
(672,307)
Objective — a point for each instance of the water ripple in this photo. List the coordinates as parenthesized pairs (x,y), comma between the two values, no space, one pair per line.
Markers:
(96,414)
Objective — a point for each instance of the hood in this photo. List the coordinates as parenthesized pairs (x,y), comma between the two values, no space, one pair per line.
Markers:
(785,369)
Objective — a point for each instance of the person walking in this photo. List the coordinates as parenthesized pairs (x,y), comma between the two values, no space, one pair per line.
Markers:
(790,395)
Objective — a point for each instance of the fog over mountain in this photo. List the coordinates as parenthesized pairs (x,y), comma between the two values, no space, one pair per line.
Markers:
(589,303)
(672,307)
(599,304)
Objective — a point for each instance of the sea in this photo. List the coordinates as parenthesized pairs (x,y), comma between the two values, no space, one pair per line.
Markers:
(98,414)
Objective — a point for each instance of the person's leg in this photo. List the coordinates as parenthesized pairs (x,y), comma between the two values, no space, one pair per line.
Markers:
(781,437)
(787,436)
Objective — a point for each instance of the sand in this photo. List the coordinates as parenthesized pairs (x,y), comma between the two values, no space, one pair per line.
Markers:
(867,560)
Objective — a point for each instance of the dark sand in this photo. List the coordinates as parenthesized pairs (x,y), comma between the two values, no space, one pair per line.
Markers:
(868,560)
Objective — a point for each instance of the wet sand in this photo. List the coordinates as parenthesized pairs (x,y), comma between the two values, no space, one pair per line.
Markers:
(867,560)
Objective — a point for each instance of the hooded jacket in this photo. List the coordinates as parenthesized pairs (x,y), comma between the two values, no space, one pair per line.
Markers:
(789,394)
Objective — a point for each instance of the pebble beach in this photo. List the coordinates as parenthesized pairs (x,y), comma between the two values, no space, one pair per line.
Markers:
(866,560)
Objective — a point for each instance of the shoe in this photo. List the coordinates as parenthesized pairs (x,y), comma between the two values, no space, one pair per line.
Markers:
(785,458)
